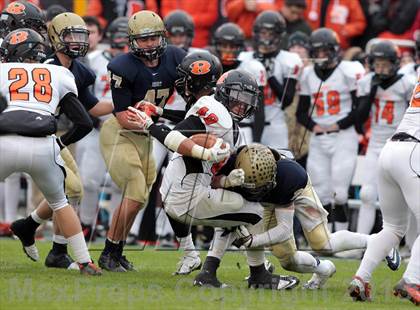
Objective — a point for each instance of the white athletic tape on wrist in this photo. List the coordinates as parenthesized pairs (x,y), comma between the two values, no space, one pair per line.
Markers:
(174,139)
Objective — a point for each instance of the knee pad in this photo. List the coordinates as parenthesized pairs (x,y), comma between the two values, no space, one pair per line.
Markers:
(318,237)
(368,195)
(341,196)
(285,251)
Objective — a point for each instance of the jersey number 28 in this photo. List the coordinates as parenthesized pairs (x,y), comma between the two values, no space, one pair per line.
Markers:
(42,90)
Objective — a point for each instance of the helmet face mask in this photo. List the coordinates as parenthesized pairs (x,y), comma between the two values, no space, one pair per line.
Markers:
(75,42)
(268,32)
(238,92)
(384,59)
(69,35)
(324,48)
(228,52)
(117,33)
(229,42)
(180,27)
(147,35)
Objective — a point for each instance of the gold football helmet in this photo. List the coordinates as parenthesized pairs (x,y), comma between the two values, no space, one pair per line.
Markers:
(68,34)
(145,24)
(260,167)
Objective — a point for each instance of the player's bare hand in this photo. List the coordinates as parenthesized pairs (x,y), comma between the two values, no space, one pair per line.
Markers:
(139,118)
(149,108)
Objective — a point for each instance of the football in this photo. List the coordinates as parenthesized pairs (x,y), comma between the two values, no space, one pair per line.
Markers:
(205,140)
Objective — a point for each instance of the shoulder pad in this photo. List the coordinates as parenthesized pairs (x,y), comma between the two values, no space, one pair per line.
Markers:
(87,72)
(94,55)
(291,61)
(211,112)
(352,69)
(246,55)
(256,69)
(364,85)
(124,66)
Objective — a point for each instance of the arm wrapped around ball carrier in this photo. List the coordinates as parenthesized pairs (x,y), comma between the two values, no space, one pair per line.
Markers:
(176,141)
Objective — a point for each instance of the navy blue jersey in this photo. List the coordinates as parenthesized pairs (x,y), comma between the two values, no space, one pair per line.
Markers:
(84,78)
(290,177)
(132,81)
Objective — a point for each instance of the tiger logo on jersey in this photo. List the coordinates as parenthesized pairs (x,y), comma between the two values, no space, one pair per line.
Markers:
(16,8)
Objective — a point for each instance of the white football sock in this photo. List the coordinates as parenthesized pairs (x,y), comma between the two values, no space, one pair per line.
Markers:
(89,207)
(80,250)
(59,239)
(255,257)
(366,220)
(344,240)
(11,197)
(186,244)
(412,273)
(220,243)
(379,247)
(36,218)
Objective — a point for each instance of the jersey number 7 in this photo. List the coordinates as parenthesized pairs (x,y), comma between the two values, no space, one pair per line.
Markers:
(42,88)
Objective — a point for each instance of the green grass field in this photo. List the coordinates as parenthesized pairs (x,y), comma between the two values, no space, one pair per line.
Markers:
(29,285)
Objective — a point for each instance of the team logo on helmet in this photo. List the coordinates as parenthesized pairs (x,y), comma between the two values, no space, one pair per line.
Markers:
(18,37)
(200,67)
(16,8)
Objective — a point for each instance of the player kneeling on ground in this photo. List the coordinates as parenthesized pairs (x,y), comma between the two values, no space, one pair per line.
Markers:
(187,191)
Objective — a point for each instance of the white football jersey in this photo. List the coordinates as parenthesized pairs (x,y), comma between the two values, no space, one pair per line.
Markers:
(389,105)
(334,99)
(98,61)
(410,68)
(35,87)
(184,186)
(286,65)
(411,120)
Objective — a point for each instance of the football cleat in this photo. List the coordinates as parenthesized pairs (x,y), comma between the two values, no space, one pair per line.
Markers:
(206,279)
(61,260)
(318,280)
(188,264)
(26,238)
(268,266)
(393,259)
(90,269)
(409,291)
(126,264)
(272,281)
(110,262)
(359,290)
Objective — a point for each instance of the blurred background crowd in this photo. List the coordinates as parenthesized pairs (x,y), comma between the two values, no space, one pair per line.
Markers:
(357,23)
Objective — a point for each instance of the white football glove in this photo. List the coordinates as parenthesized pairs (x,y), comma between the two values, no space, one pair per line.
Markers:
(235,178)
(243,237)
(216,153)
(139,118)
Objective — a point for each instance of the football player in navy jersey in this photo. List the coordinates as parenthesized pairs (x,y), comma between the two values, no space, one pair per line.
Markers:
(146,73)
(68,36)
(284,188)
